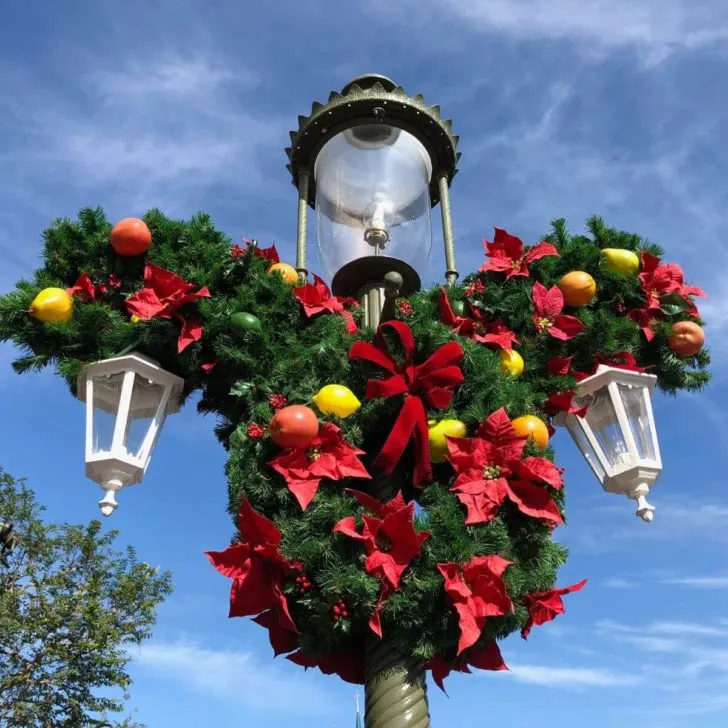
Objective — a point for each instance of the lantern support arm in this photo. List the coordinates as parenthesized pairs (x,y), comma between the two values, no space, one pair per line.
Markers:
(302,230)
(451,272)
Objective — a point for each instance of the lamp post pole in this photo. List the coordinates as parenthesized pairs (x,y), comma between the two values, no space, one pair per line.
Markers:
(372,162)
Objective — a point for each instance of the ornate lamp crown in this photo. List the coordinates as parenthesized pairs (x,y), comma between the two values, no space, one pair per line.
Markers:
(373,99)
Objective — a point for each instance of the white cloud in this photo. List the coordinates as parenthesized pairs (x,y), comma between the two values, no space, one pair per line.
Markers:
(161,131)
(700,582)
(618,583)
(571,676)
(230,674)
(655,29)
(611,526)
(672,628)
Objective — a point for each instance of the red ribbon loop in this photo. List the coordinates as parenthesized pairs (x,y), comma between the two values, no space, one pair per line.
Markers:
(431,382)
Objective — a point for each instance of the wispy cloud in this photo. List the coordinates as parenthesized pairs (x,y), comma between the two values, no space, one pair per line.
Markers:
(239,676)
(570,677)
(677,520)
(700,582)
(655,30)
(618,583)
(158,132)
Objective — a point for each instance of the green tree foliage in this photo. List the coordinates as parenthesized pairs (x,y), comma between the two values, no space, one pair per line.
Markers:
(294,355)
(71,607)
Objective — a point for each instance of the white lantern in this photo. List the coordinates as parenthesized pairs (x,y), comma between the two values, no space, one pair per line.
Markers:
(617,436)
(127,401)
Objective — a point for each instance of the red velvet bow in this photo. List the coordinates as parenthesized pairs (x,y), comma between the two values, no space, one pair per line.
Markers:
(430,383)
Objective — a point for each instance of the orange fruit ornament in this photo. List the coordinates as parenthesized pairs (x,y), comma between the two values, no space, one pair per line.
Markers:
(285,271)
(293,426)
(131,236)
(686,338)
(578,288)
(532,427)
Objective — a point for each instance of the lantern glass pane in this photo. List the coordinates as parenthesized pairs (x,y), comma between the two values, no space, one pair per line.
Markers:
(602,419)
(373,176)
(635,405)
(586,449)
(107,393)
(145,399)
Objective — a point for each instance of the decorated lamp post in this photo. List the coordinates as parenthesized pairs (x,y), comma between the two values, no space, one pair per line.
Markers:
(617,434)
(127,401)
(372,161)
(343,408)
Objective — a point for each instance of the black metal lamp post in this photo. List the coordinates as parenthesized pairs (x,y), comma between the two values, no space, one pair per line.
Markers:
(372,162)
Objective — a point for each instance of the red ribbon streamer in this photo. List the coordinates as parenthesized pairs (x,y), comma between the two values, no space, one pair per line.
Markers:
(430,383)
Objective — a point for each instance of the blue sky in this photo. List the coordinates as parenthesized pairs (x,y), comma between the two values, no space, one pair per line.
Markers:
(565,109)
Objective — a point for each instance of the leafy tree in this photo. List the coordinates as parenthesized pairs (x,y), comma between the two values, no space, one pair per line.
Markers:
(71,606)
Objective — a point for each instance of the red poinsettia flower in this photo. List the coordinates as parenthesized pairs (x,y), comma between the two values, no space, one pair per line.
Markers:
(558,367)
(316,298)
(328,456)
(349,665)
(564,402)
(477,591)
(269,254)
(390,541)
(256,567)
(282,640)
(484,658)
(83,287)
(476,326)
(545,606)
(548,305)
(619,360)
(646,318)
(164,293)
(86,288)
(662,279)
(490,471)
(507,254)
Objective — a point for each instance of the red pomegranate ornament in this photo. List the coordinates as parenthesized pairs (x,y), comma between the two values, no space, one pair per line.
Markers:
(131,236)
(293,426)
(686,338)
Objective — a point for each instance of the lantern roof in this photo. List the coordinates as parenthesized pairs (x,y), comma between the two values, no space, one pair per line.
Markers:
(606,374)
(373,99)
(142,365)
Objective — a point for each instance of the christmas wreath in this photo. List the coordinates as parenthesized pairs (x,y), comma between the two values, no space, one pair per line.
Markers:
(394,483)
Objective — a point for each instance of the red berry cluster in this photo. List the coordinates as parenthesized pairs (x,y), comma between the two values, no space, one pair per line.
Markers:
(304,584)
(277,401)
(255,431)
(340,611)
(476,287)
(405,308)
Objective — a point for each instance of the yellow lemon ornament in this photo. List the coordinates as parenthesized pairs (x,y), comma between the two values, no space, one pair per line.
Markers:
(336,399)
(52,305)
(511,362)
(285,271)
(621,262)
(438,434)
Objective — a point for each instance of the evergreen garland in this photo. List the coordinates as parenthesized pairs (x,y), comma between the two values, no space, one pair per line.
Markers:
(329,593)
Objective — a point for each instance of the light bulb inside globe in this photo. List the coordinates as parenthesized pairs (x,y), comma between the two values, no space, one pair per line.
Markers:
(377,219)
